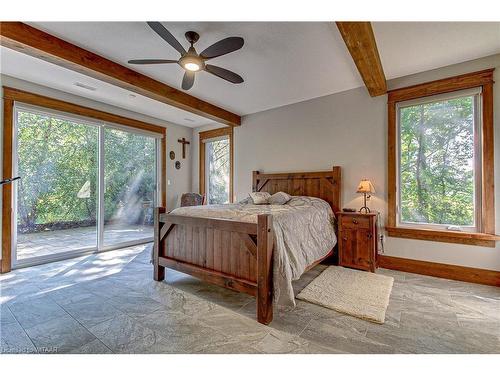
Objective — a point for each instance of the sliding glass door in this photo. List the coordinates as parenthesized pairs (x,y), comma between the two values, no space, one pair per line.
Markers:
(129,186)
(85,186)
(57,159)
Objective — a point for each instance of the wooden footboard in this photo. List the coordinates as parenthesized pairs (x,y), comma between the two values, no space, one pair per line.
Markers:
(235,255)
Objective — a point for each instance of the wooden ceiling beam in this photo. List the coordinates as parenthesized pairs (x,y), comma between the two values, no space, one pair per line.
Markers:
(360,41)
(31,41)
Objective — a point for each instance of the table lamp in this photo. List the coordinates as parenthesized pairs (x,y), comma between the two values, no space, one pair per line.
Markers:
(366,187)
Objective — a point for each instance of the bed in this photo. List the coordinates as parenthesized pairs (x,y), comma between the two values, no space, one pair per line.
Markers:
(236,246)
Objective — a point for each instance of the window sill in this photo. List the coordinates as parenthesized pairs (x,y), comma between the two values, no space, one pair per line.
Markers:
(466,238)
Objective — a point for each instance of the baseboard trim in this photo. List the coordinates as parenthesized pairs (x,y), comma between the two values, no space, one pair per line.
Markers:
(445,271)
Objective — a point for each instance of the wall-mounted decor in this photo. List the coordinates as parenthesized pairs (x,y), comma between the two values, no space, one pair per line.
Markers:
(184,143)
(172,155)
(177,164)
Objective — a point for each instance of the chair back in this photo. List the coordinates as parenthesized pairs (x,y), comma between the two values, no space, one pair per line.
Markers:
(192,199)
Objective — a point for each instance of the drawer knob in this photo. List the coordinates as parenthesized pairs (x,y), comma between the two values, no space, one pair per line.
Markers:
(354,221)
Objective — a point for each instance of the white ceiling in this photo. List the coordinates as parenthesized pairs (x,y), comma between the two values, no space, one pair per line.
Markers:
(282,63)
(412,47)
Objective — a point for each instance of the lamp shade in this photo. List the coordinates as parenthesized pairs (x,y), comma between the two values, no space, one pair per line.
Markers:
(365,186)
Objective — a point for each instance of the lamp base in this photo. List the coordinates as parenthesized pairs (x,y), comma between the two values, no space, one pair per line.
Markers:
(365,207)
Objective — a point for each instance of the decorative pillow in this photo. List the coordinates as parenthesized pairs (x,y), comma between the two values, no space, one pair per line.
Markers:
(260,197)
(279,198)
(247,200)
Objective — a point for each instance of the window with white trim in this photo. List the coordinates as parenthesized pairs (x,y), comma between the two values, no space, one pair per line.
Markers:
(439,161)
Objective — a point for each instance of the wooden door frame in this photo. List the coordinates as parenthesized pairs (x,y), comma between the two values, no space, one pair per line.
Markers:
(7,164)
(227,131)
(10,97)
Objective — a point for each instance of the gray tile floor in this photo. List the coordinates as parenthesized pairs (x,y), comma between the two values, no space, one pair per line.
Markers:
(108,303)
(58,241)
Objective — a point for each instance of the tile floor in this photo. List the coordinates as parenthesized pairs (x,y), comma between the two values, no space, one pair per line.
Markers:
(108,303)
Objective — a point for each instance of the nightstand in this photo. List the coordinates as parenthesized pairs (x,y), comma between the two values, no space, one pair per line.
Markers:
(357,240)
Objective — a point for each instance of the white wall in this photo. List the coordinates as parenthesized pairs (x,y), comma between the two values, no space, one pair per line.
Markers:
(350,129)
(180,180)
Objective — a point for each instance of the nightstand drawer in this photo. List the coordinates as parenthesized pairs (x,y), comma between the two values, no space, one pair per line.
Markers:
(354,222)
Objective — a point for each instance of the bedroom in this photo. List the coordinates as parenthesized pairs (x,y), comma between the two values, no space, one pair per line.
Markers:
(416,271)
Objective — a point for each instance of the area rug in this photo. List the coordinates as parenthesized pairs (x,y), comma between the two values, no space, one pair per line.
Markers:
(361,294)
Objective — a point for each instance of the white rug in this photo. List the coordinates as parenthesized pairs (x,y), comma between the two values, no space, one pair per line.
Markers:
(361,294)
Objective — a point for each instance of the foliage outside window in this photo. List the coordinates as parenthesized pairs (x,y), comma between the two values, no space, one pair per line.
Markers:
(58,162)
(216,165)
(218,168)
(56,159)
(437,162)
(129,177)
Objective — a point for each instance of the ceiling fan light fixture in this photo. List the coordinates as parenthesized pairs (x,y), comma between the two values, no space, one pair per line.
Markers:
(191,66)
(191,63)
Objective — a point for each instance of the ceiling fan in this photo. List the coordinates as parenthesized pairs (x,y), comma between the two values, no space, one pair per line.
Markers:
(192,61)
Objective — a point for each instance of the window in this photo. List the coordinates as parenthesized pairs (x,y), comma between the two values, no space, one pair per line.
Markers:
(216,156)
(440,163)
(217,167)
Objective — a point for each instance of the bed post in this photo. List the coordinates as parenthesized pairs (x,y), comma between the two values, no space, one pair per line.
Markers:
(158,271)
(265,240)
(337,189)
(255,180)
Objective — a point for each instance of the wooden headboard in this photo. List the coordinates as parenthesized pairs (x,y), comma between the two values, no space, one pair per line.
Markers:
(324,185)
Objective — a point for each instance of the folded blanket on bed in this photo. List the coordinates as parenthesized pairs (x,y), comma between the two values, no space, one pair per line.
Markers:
(303,233)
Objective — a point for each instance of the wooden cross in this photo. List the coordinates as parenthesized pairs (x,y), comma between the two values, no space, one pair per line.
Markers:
(184,143)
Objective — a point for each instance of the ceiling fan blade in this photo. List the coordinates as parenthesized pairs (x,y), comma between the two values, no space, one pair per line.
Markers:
(187,80)
(167,36)
(223,73)
(151,61)
(223,47)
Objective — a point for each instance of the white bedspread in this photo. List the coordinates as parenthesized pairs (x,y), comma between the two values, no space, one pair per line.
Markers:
(303,233)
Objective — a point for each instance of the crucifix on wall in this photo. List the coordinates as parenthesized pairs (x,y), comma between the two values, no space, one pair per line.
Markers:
(184,143)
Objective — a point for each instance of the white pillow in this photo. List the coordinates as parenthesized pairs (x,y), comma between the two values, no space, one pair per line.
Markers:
(260,197)
(279,198)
